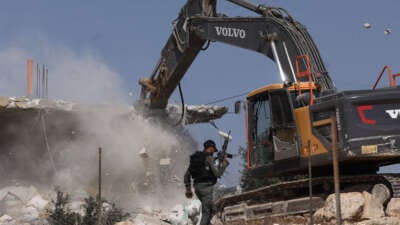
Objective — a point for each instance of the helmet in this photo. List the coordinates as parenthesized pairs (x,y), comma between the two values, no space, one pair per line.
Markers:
(210,143)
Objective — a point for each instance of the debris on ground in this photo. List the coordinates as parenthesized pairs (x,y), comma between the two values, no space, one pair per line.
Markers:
(24,205)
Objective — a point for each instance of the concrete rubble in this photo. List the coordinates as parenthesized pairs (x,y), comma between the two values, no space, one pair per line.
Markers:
(393,207)
(359,208)
(24,205)
(184,214)
(353,202)
(381,221)
(19,205)
(140,158)
(192,113)
(372,208)
(28,103)
(198,113)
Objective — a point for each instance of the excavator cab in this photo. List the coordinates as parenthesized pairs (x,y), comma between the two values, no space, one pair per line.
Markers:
(274,127)
(272,133)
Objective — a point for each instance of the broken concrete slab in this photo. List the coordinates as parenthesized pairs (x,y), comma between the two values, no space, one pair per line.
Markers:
(148,220)
(381,192)
(352,204)
(125,223)
(143,153)
(28,214)
(372,208)
(380,221)
(203,113)
(8,220)
(193,210)
(393,208)
(23,194)
(165,162)
(37,202)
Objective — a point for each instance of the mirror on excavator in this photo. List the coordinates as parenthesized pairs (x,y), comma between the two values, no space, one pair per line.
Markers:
(237,106)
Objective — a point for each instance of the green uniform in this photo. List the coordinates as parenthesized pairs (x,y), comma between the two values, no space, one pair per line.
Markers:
(204,185)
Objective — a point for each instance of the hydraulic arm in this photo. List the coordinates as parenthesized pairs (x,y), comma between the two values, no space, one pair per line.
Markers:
(274,33)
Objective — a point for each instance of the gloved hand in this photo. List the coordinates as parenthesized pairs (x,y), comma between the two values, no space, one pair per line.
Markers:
(189,193)
(225,163)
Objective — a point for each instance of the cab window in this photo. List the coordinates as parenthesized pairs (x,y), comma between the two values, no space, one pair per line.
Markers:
(260,136)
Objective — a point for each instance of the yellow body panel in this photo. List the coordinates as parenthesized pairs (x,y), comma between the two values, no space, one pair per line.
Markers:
(303,86)
(305,132)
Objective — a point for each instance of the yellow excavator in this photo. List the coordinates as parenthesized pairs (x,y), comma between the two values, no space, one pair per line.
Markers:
(287,123)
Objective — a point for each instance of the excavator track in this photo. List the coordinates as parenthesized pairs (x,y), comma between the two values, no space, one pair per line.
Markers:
(292,197)
(394,181)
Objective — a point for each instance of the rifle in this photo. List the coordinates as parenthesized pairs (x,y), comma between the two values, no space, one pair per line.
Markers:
(222,154)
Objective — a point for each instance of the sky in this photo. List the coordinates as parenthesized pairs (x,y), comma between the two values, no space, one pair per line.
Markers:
(124,38)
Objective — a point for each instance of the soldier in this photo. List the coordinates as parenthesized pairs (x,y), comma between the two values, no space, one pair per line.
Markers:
(205,173)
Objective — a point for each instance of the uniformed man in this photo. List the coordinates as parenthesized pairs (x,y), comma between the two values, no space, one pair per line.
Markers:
(205,173)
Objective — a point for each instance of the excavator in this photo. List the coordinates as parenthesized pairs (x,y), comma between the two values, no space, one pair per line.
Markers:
(292,126)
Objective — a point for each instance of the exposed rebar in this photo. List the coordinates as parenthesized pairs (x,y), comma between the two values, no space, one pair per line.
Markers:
(46,83)
(43,82)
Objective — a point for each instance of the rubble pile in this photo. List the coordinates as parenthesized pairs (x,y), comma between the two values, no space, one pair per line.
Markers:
(365,207)
(358,208)
(54,143)
(26,206)
(182,214)
(22,205)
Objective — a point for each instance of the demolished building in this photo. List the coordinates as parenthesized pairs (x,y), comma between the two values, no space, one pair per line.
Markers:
(47,143)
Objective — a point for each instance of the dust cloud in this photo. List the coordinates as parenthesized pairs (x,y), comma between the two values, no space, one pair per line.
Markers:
(73,76)
(143,159)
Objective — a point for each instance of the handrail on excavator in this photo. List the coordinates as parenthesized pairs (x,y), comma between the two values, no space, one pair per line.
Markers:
(305,73)
(394,76)
(392,80)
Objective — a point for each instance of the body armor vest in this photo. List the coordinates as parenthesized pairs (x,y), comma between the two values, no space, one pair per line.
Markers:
(199,168)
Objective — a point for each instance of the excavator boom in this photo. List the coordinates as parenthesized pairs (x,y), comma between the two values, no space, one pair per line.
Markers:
(274,34)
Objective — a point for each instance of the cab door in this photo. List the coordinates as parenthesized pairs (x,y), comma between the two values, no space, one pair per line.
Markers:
(260,151)
(284,132)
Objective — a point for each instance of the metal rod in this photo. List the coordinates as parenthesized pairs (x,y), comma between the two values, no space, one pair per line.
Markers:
(290,62)
(40,82)
(47,82)
(37,81)
(336,178)
(99,196)
(43,86)
(310,181)
(278,62)
(39,78)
